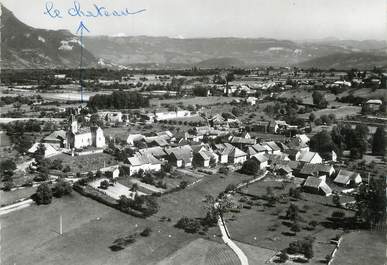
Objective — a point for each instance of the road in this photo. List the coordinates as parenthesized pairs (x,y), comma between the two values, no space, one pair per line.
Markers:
(226,239)
(15,206)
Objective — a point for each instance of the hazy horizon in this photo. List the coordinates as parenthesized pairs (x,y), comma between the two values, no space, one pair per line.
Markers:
(297,20)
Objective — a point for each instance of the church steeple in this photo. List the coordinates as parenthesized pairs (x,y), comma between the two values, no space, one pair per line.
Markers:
(73,124)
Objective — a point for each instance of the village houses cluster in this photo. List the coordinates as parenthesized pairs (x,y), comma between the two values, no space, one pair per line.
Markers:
(219,144)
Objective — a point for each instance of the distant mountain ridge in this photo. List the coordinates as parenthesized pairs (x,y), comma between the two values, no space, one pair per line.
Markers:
(225,52)
(23,46)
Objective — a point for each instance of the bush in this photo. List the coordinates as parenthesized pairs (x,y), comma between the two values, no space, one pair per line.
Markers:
(146,232)
(43,194)
(183,184)
(189,225)
(302,246)
(338,214)
(250,167)
(295,227)
(8,186)
(230,187)
(61,188)
(104,185)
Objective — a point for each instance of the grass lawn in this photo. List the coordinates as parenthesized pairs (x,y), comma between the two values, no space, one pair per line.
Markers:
(362,247)
(9,197)
(86,163)
(30,235)
(202,252)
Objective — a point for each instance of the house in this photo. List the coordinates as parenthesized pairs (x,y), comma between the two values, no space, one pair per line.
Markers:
(203,156)
(241,142)
(260,149)
(310,157)
(155,151)
(156,141)
(132,138)
(374,104)
(83,137)
(111,116)
(297,144)
(237,156)
(282,170)
(250,151)
(274,158)
(294,154)
(57,139)
(262,160)
(180,156)
(317,186)
(347,178)
(277,126)
(159,116)
(143,162)
(282,146)
(275,149)
(49,151)
(223,151)
(251,101)
(303,138)
(112,172)
(332,156)
(316,170)
(217,120)
(245,135)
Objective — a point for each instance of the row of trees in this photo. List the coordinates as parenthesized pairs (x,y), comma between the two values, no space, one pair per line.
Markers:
(119,100)
(343,137)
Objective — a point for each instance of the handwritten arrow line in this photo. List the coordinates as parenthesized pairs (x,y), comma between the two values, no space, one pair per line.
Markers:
(80,30)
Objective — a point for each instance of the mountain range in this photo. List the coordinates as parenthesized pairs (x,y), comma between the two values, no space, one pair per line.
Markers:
(23,46)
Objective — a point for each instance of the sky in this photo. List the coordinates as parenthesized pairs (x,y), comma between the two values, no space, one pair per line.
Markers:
(280,19)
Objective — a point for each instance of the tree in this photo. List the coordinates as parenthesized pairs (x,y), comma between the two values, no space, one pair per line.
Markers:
(292,212)
(323,144)
(371,202)
(336,199)
(250,167)
(319,100)
(134,187)
(312,117)
(62,188)
(43,194)
(200,91)
(6,169)
(379,142)
(237,111)
(39,153)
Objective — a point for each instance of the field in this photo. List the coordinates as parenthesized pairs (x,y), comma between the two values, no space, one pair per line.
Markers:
(256,255)
(193,101)
(86,163)
(362,247)
(190,201)
(202,252)
(340,112)
(267,227)
(30,235)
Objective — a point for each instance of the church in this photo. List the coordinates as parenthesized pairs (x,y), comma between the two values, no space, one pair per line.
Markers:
(80,137)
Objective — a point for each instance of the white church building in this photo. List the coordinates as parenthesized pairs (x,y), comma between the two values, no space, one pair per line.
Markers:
(80,137)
